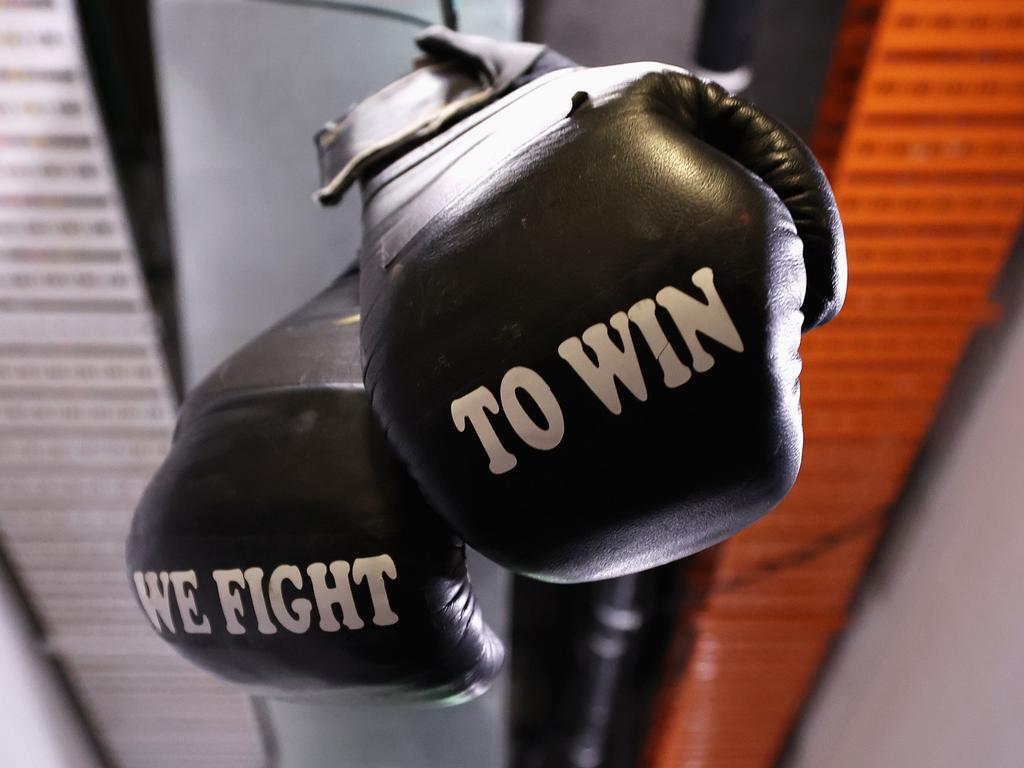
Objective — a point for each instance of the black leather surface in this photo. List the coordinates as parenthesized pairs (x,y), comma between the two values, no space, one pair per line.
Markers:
(277,459)
(561,204)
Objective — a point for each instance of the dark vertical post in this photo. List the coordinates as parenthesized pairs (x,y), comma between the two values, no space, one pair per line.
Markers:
(727,34)
(449,17)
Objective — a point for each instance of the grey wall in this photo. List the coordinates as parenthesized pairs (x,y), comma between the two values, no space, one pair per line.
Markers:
(790,57)
(244,86)
(601,32)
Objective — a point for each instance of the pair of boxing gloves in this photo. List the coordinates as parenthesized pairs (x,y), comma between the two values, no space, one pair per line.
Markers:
(572,342)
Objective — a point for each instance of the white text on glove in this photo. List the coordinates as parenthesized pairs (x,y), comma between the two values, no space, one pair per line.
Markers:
(615,362)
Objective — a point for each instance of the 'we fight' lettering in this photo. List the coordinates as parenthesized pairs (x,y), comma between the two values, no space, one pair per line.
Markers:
(615,362)
(275,599)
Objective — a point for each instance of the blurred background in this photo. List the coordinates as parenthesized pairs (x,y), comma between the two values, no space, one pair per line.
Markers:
(156,165)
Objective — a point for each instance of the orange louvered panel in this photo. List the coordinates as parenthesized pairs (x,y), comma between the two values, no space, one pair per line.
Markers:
(922,133)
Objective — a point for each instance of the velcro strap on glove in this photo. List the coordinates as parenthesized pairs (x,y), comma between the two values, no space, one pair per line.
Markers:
(461,75)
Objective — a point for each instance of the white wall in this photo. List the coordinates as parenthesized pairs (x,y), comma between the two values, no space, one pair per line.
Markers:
(37,729)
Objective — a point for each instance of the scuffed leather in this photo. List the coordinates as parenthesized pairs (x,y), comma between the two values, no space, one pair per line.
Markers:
(782,160)
(549,211)
(277,459)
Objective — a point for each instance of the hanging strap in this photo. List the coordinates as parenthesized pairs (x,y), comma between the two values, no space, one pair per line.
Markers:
(462,74)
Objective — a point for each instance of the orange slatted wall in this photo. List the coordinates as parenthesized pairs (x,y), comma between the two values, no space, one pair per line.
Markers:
(922,132)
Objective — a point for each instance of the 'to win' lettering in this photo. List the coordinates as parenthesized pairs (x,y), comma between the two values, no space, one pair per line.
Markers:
(615,362)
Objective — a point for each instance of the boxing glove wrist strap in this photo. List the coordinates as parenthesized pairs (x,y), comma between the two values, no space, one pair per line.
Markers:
(463,73)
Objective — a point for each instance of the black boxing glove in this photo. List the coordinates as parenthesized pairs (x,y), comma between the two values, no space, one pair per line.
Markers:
(583,304)
(281,545)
